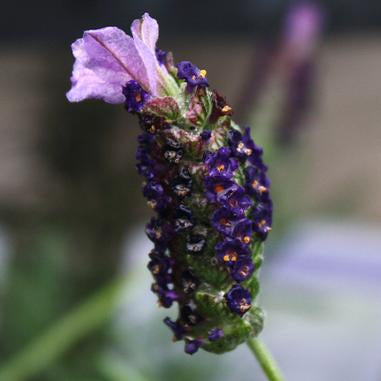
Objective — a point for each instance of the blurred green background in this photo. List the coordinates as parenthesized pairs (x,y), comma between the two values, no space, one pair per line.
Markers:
(75,300)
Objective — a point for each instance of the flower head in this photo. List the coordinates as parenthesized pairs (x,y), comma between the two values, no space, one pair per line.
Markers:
(108,58)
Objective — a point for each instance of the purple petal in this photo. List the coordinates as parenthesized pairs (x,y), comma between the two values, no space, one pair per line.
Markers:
(147,30)
(105,60)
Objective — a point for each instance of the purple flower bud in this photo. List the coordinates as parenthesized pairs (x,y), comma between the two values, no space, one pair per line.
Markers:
(175,327)
(159,232)
(261,216)
(243,230)
(136,97)
(238,201)
(224,220)
(220,163)
(257,183)
(215,334)
(205,135)
(161,56)
(192,346)
(219,188)
(191,74)
(242,269)
(238,299)
(244,148)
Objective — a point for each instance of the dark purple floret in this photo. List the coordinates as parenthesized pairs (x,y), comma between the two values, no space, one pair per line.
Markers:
(224,220)
(156,196)
(135,95)
(262,218)
(145,170)
(152,123)
(230,250)
(192,346)
(196,240)
(184,218)
(238,200)
(165,295)
(219,188)
(189,282)
(243,147)
(173,154)
(243,230)
(242,269)
(159,266)
(175,327)
(189,316)
(167,298)
(238,299)
(191,74)
(220,163)
(182,184)
(161,55)
(159,232)
(257,183)
(215,334)
(205,135)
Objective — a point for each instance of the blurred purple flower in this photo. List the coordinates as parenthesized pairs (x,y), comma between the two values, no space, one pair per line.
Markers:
(303,27)
(107,58)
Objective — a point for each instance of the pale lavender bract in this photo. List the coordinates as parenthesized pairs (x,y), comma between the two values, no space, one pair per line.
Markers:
(107,58)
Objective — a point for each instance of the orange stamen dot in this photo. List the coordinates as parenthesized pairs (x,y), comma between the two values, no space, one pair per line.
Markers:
(225,222)
(220,167)
(244,271)
(218,188)
(262,223)
(246,239)
(230,256)
(262,189)
(226,109)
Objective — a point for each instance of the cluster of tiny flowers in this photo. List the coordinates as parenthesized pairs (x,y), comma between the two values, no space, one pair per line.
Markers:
(243,210)
(204,178)
(198,192)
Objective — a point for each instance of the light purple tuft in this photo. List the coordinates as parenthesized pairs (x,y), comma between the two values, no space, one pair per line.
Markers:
(107,58)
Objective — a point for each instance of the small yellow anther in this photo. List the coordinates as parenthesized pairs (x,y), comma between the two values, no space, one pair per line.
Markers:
(203,73)
(226,109)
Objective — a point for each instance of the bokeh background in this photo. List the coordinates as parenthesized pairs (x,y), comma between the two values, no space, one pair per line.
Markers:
(75,302)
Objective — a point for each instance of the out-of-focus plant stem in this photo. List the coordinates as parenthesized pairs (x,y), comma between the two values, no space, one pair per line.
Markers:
(86,318)
(265,360)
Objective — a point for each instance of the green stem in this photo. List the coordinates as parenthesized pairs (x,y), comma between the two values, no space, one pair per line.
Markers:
(78,323)
(265,360)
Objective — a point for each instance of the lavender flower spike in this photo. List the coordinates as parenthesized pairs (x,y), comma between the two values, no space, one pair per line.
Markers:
(107,58)
(205,179)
